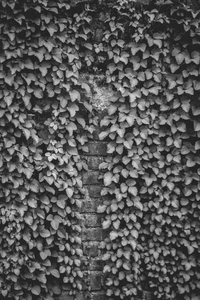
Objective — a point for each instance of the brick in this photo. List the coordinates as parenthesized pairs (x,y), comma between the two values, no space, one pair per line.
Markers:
(94,191)
(93,162)
(92,234)
(65,296)
(147,295)
(92,220)
(84,263)
(105,233)
(67,287)
(83,296)
(96,133)
(85,281)
(95,280)
(97,264)
(98,296)
(145,2)
(98,35)
(91,249)
(90,177)
(97,148)
(91,205)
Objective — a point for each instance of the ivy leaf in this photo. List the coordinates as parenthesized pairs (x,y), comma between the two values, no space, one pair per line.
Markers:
(57,56)
(158,43)
(181,289)
(116,224)
(130,120)
(196,85)
(72,108)
(61,203)
(55,273)
(29,220)
(174,68)
(4,293)
(106,224)
(44,254)
(103,135)
(88,46)
(148,181)
(134,49)
(87,106)
(186,105)
(158,230)
(107,178)
(113,235)
(126,266)
(139,205)
(184,202)
(36,290)
(186,276)
(61,233)
(81,121)
(27,133)
(196,126)
(55,224)
(32,203)
(101,209)
(63,102)
(196,111)
(179,58)
(75,95)
(114,207)
(190,249)
(56,290)
(71,127)
(52,28)
(45,233)
(9,79)
(133,190)
(195,57)
(155,254)
(133,244)
(187,266)
(45,200)
(69,192)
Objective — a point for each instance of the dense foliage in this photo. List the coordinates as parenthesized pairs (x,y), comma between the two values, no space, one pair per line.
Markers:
(43,127)
(152,170)
(151,58)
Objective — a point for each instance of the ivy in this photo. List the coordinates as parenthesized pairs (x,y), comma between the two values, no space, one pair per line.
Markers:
(151,172)
(44,127)
(150,56)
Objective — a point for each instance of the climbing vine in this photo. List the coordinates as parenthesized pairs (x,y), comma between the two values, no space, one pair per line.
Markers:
(150,56)
(44,127)
(152,169)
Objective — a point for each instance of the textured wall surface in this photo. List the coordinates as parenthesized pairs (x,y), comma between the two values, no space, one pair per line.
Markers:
(92,232)
(91,221)
(195,3)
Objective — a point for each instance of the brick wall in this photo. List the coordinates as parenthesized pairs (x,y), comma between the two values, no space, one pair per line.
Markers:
(91,220)
(92,232)
(193,3)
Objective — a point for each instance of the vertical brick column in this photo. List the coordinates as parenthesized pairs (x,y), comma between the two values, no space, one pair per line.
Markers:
(92,232)
(91,223)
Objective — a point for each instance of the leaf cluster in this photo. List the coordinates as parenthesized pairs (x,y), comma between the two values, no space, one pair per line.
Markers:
(151,174)
(151,59)
(44,126)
